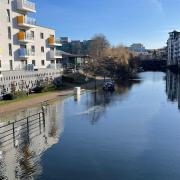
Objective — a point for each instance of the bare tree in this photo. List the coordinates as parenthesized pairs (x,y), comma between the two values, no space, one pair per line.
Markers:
(99,44)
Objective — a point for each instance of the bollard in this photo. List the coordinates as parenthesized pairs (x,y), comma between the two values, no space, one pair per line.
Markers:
(77,91)
(1,154)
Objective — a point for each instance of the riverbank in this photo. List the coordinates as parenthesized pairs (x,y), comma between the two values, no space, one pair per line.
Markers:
(37,99)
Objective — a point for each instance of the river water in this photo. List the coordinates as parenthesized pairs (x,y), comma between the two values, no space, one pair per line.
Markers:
(132,134)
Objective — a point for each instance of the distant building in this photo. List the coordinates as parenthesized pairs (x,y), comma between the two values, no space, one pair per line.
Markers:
(75,46)
(65,39)
(173,45)
(137,48)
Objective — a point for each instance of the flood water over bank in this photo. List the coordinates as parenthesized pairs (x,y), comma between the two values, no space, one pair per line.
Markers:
(131,134)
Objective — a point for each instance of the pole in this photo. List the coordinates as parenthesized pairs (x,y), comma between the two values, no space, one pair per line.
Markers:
(40,122)
(14,134)
(28,128)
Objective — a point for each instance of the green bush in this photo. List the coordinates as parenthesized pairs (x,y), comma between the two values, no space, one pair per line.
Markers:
(16,95)
(74,78)
(20,94)
(38,89)
(7,97)
(44,88)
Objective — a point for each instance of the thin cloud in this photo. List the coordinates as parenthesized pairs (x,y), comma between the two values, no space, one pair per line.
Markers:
(157,4)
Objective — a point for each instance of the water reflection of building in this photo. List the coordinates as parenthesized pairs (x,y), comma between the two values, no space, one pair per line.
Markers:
(173,87)
(23,161)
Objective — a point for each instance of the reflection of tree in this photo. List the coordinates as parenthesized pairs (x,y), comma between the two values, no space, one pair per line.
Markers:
(27,165)
(97,102)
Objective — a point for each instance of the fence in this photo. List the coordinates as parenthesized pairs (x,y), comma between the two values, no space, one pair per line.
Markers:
(16,131)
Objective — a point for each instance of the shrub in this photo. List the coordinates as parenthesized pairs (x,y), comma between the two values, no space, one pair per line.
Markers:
(7,97)
(38,89)
(44,88)
(16,95)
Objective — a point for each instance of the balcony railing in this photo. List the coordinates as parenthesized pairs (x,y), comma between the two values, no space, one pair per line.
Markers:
(55,54)
(54,42)
(55,66)
(25,5)
(25,37)
(26,21)
(25,53)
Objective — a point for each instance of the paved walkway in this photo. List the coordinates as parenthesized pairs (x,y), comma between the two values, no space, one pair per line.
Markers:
(14,106)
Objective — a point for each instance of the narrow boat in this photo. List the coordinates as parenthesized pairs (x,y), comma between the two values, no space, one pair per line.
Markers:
(109,86)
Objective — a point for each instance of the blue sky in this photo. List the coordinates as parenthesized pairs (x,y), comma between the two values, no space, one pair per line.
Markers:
(122,21)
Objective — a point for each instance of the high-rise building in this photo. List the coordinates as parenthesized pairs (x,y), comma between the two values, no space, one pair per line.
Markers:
(26,49)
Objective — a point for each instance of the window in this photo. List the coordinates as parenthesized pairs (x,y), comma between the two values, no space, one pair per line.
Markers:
(42,35)
(42,49)
(33,50)
(9,32)
(34,62)
(11,64)
(42,62)
(8,15)
(10,49)
(32,34)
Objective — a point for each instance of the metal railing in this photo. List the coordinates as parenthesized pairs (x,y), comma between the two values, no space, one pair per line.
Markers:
(57,41)
(13,131)
(30,20)
(28,4)
(23,52)
(55,53)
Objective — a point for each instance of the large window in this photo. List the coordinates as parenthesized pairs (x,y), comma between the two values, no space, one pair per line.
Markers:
(10,49)
(33,50)
(9,32)
(11,64)
(8,15)
(34,62)
(42,49)
(42,62)
(42,35)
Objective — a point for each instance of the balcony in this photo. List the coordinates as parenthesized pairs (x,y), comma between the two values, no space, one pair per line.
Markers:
(25,37)
(54,42)
(25,53)
(26,6)
(55,54)
(26,22)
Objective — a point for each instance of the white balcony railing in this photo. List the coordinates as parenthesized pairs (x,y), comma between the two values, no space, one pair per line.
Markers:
(29,37)
(25,5)
(30,21)
(55,54)
(58,42)
(25,53)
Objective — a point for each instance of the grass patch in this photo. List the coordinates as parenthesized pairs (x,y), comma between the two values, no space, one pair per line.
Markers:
(18,99)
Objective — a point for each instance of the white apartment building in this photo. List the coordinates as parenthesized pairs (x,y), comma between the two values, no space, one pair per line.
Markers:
(173,45)
(26,49)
